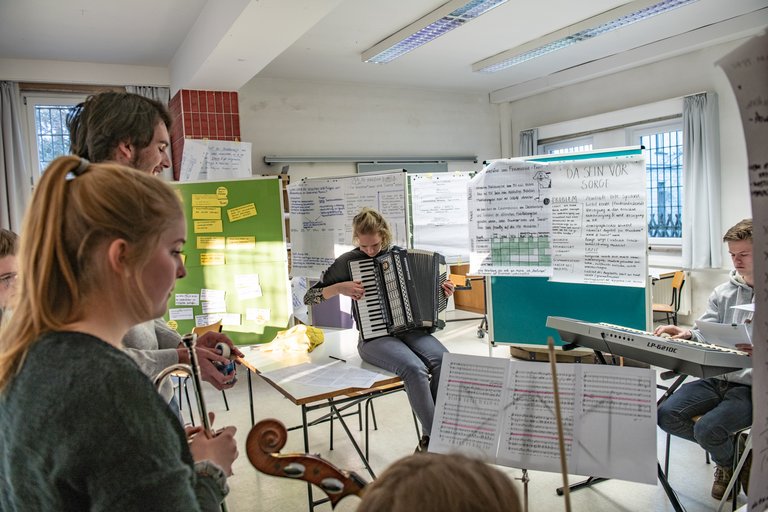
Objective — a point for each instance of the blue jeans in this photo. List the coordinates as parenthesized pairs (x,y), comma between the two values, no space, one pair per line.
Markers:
(413,356)
(724,407)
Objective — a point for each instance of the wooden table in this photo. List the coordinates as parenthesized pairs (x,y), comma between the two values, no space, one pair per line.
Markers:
(339,347)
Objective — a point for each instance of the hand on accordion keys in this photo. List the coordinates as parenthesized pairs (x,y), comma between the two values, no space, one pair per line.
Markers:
(352,289)
(448,288)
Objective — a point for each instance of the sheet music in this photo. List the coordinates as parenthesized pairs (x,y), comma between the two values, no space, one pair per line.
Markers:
(503,411)
(724,335)
(469,406)
(615,429)
(529,432)
(335,375)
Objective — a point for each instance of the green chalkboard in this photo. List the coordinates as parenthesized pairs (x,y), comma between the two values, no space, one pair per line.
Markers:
(519,306)
(236,260)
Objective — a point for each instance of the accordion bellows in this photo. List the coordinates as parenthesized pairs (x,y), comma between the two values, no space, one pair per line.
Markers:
(403,291)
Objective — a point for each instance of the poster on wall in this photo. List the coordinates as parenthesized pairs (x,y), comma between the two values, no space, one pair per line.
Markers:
(509,219)
(215,160)
(236,260)
(576,221)
(598,222)
(322,210)
(439,214)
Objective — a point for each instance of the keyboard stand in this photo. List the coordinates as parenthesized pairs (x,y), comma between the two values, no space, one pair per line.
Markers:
(662,477)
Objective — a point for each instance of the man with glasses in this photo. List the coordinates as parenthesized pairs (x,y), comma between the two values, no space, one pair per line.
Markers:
(8,268)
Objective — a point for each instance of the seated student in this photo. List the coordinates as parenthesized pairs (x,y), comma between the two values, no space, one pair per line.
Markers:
(724,403)
(431,482)
(415,356)
(81,427)
(8,268)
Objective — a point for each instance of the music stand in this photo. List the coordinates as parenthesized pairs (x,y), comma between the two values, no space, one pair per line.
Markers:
(679,379)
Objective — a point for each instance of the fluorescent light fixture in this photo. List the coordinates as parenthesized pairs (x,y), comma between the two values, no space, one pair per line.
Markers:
(582,31)
(443,19)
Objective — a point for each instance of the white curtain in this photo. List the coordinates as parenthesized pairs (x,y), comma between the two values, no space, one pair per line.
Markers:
(15,184)
(529,142)
(702,236)
(163,95)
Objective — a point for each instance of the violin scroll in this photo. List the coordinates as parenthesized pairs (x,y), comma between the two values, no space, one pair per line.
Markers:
(263,445)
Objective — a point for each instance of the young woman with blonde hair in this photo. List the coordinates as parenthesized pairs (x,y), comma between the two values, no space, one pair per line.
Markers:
(415,356)
(81,427)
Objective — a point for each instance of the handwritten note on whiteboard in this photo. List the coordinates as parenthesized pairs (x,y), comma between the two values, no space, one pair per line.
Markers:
(439,216)
(215,160)
(503,412)
(322,210)
(509,219)
(599,231)
(747,71)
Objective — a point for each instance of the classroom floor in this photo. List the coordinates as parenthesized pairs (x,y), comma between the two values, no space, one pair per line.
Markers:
(690,476)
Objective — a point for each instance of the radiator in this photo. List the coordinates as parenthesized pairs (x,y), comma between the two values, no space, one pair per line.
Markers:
(662,293)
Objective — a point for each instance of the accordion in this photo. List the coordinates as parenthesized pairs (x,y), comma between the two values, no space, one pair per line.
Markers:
(403,291)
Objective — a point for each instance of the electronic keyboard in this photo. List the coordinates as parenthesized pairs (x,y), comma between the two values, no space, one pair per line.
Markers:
(688,357)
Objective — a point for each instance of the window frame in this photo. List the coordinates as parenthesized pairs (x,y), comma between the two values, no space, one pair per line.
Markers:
(549,148)
(31,101)
(634,133)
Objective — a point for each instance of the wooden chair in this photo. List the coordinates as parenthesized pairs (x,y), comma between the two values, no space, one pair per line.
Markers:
(670,310)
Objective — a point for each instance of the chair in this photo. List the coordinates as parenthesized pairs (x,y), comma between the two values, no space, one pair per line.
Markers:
(670,310)
(463,283)
(743,439)
(666,454)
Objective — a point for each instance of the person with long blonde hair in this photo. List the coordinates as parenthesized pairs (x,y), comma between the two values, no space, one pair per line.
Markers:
(415,355)
(81,427)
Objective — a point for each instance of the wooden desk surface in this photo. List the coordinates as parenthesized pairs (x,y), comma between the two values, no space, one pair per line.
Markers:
(340,343)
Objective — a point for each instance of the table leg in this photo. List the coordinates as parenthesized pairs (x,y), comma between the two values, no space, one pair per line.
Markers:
(354,443)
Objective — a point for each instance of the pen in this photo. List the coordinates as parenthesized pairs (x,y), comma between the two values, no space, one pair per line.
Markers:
(338,359)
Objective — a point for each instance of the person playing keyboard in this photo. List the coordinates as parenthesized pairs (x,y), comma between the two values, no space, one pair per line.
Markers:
(415,356)
(723,403)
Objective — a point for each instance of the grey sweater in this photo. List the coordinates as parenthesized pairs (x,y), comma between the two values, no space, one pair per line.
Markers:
(152,345)
(720,309)
(81,428)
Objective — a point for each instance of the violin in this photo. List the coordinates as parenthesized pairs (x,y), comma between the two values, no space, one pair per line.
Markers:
(263,445)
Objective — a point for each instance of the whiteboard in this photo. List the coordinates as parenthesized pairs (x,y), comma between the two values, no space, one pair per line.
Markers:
(581,221)
(322,210)
(439,217)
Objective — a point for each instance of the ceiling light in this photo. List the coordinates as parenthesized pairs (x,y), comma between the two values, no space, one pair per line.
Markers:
(443,19)
(582,31)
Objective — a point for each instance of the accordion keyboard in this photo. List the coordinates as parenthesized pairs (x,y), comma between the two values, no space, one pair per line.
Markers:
(370,306)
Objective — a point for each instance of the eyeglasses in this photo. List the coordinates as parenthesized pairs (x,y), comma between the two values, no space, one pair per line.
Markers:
(7,280)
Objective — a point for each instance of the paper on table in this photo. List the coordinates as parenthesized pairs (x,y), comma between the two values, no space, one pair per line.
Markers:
(333,375)
(746,307)
(726,335)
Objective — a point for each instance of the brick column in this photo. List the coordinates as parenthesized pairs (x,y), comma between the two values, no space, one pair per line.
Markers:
(202,115)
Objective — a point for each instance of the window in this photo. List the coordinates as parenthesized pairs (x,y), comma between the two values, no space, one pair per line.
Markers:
(47,127)
(663,153)
(567,146)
